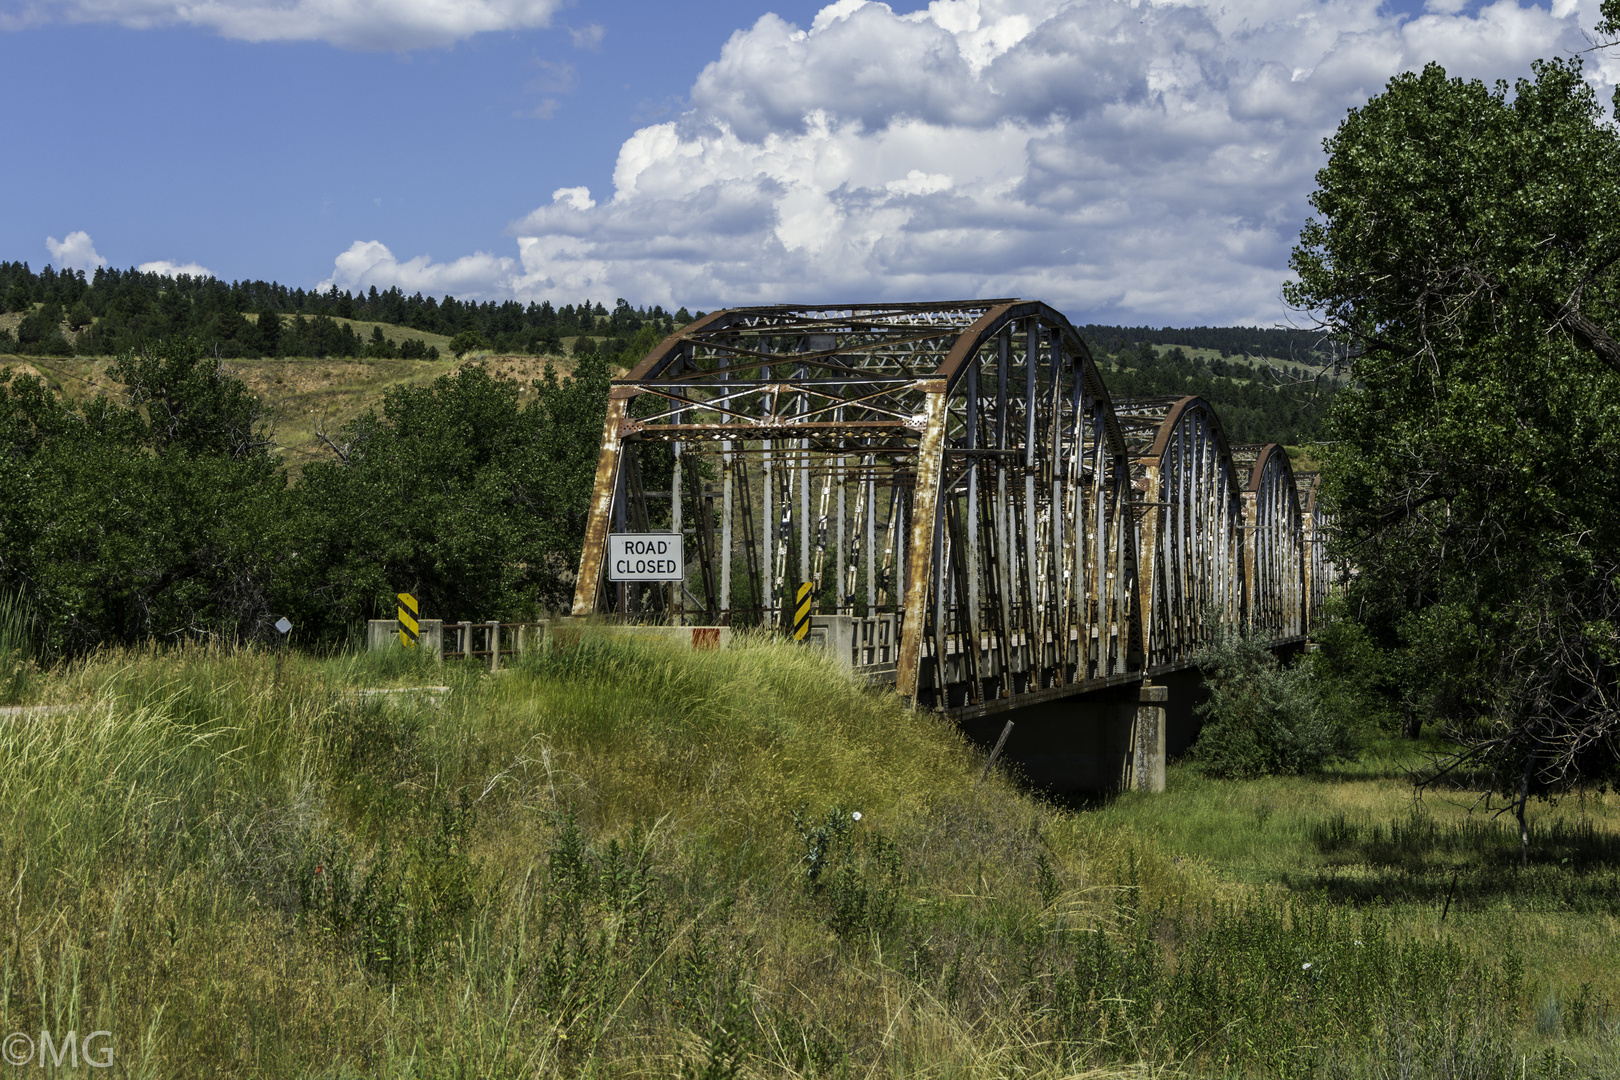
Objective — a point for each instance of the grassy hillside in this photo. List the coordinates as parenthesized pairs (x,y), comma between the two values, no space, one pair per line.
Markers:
(619,859)
(302,395)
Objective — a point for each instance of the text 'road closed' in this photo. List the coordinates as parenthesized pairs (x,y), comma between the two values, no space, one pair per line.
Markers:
(646,557)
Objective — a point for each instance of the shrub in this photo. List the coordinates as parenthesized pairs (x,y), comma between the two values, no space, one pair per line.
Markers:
(468,341)
(1262,718)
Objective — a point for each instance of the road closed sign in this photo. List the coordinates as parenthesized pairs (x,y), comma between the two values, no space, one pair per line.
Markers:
(645,557)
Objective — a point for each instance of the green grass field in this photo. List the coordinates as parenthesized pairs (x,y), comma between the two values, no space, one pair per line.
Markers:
(620,859)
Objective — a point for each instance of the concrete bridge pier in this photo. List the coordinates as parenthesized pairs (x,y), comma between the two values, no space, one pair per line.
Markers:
(1104,741)
(1144,769)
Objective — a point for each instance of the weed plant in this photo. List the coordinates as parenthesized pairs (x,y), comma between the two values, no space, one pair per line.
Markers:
(18,667)
(1263,717)
(622,859)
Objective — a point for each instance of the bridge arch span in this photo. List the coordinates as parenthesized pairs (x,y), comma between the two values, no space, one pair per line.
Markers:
(1190,496)
(949,483)
(1319,569)
(1274,545)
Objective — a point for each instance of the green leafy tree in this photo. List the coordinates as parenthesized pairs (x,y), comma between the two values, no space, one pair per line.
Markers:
(1468,250)
(467,341)
(191,403)
(121,528)
(467,493)
(18,297)
(38,327)
(230,331)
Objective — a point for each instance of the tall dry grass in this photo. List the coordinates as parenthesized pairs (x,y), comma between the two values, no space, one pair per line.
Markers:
(622,859)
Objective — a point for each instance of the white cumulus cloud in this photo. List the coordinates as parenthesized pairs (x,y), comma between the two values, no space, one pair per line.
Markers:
(368,263)
(1124,159)
(357,24)
(575,198)
(76,251)
(174,269)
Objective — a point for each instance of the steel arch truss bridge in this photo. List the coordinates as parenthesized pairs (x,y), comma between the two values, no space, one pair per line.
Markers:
(955,486)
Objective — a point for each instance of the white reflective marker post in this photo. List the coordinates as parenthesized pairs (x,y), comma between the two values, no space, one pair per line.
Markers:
(646,557)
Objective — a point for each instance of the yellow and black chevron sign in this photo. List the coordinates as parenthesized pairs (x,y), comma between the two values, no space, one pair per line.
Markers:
(801,613)
(408,611)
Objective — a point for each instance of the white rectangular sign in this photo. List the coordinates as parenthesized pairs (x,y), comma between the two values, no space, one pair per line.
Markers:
(646,557)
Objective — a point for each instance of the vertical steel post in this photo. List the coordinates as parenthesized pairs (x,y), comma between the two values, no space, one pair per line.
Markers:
(1149,566)
(1031,593)
(838,570)
(804,511)
(925,519)
(1001,525)
(677,589)
(594,550)
(804,492)
(1309,544)
(971,440)
(1251,545)
(767,549)
(869,486)
(725,506)
(1054,468)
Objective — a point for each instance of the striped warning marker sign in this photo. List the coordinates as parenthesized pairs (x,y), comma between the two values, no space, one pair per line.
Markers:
(801,613)
(408,611)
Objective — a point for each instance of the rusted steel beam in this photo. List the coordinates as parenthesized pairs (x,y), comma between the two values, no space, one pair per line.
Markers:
(589,584)
(930,460)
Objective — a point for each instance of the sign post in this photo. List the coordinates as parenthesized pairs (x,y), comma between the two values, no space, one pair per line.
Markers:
(409,631)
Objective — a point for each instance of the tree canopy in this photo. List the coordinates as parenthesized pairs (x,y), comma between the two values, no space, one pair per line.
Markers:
(1467,249)
(168,516)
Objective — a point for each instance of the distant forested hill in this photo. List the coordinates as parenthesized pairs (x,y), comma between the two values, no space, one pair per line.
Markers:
(1291,346)
(67,314)
(1258,401)
(1267,384)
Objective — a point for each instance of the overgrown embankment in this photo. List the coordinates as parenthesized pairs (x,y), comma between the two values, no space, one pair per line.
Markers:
(623,860)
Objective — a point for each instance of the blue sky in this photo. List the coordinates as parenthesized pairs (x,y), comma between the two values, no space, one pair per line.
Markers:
(266,159)
(1129,161)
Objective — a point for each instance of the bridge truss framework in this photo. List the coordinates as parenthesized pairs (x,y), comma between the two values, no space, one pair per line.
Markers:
(954,478)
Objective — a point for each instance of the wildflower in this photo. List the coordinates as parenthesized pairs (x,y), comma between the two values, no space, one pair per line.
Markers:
(1306,966)
(856,815)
